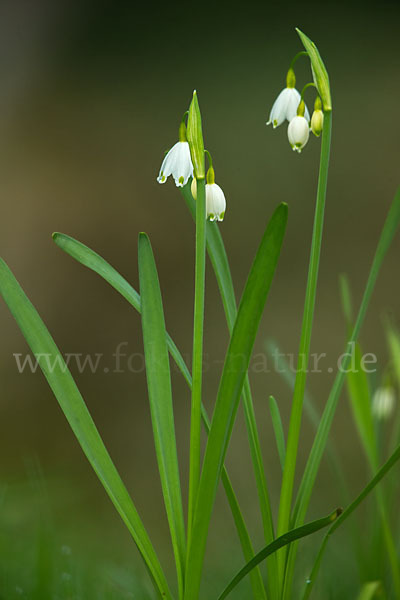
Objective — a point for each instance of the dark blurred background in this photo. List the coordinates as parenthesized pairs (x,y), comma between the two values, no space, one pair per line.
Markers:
(91,96)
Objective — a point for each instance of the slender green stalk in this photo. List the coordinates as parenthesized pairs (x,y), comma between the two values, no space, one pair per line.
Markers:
(197,362)
(230,390)
(297,406)
(346,513)
(283,540)
(310,473)
(219,261)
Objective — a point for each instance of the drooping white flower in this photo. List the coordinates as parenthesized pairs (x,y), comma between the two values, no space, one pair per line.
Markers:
(215,202)
(285,107)
(286,104)
(383,402)
(177,163)
(215,198)
(298,132)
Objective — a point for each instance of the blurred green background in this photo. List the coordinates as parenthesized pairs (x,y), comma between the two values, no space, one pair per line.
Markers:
(91,97)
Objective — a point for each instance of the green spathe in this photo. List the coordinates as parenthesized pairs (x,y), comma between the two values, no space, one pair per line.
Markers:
(195,138)
(320,74)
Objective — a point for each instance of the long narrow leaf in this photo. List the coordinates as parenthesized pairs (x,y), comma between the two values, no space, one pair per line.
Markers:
(280,542)
(87,257)
(346,514)
(320,441)
(160,398)
(219,260)
(230,389)
(78,416)
(90,259)
(278,429)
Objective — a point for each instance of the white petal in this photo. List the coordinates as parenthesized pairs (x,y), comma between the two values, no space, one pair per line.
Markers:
(298,133)
(168,163)
(293,104)
(215,202)
(279,108)
(183,168)
(307,114)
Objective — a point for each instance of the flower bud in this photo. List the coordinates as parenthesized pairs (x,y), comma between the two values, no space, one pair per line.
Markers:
(195,138)
(317,119)
(298,133)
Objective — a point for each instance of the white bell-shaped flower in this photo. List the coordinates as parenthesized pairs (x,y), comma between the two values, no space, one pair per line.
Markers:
(285,107)
(383,402)
(298,132)
(286,104)
(215,197)
(177,163)
(215,202)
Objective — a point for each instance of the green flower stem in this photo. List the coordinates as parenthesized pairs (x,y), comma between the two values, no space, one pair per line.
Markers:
(197,361)
(304,350)
(295,59)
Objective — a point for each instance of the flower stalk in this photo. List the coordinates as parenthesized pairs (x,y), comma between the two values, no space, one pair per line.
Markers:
(304,350)
(196,144)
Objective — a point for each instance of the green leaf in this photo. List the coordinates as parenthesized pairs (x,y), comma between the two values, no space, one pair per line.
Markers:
(96,263)
(280,542)
(321,438)
(360,401)
(230,389)
(160,398)
(219,260)
(393,341)
(278,429)
(345,297)
(320,74)
(389,464)
(73,406)
(371,590)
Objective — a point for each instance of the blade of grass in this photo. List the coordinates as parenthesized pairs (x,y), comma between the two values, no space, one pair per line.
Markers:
(230,389)
(219,260)
(346,514)
(73,406)
(320,441)
(280,542)
(96,263)
(278,429)
(160,398)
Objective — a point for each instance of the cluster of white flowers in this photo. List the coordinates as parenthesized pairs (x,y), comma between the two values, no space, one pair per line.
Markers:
(290,106)
(178,163)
